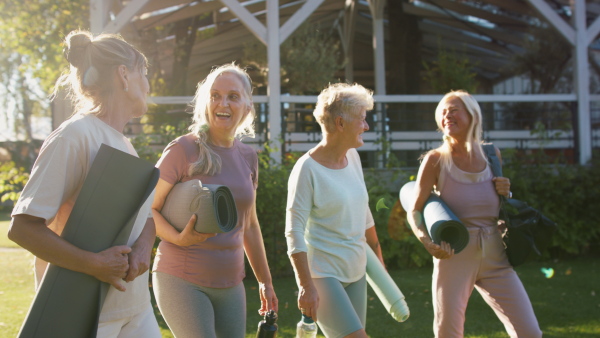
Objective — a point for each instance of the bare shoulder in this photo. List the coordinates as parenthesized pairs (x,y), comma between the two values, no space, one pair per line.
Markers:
(432,158)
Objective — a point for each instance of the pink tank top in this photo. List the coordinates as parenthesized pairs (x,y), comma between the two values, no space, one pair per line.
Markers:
(471,196)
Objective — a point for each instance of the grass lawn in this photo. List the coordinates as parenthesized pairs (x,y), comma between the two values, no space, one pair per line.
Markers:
(567,305)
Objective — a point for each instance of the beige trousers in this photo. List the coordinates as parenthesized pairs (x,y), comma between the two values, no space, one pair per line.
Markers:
(482,265)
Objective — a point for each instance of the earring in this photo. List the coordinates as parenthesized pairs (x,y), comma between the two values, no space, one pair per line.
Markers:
(126,89)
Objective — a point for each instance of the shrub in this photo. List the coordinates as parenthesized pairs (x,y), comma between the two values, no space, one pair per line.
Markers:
(400,248)
(271,199)
(567,194)
(12,181)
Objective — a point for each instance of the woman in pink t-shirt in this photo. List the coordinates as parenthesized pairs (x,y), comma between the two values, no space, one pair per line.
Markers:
(197,277)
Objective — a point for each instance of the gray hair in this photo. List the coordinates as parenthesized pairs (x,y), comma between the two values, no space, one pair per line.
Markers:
(209,163)
(341,99)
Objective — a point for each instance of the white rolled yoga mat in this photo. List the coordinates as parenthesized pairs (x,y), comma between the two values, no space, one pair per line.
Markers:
(212,204)
(385,288)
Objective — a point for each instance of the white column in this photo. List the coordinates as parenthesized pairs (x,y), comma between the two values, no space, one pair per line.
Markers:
(582,83)
(274,77)
(347,37)
(98,15)
(376,8)
(378,45)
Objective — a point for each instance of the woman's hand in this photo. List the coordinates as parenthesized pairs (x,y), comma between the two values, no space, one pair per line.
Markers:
(190,236)
(308,301)
(443,251)
(502,185)
(111,266)
(139,262)
(268,299)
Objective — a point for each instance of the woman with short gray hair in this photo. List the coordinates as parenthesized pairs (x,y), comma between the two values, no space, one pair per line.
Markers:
(328,221)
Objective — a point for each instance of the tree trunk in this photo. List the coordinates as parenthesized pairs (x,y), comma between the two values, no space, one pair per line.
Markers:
(185,36)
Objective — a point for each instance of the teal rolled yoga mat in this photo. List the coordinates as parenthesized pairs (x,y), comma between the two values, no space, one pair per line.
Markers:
(213,205)
(388,292)
(442,224)
(68,303)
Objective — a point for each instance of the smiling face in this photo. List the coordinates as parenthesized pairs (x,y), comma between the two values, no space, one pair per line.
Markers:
(228,105)
(455,119)
(354,127)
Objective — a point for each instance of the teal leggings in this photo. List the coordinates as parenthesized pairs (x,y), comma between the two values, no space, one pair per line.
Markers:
(342,306)
(195,311)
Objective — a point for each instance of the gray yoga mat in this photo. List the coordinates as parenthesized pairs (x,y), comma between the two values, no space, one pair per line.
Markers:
(442,224)
(213,205)
(68,303)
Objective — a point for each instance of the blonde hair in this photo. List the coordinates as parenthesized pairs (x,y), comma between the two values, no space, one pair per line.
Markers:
(341,99)
(474,135)
(209,162)
(93,60)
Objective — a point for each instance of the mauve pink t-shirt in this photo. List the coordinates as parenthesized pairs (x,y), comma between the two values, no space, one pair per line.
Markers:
(217,262)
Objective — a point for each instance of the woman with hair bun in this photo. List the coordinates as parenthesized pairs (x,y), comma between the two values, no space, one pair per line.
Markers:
(198,277)
(107,84)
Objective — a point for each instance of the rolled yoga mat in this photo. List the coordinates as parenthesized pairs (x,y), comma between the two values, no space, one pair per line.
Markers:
(442,224)
(68,303)
(388,292)
(213,205)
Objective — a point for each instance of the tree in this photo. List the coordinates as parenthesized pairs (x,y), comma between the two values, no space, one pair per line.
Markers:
(309,59)
(31,35)
(450,71)
(545,63)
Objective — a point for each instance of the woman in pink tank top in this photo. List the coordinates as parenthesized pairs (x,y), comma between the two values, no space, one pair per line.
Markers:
(458,171)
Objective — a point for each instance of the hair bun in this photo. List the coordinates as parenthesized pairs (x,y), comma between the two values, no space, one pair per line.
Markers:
(76,47)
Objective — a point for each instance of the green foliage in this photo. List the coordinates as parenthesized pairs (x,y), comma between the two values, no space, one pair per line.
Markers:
(450,71)
(31,59)
(566,194)
(36,29)
(309,59)
(271,198)
(399,246)
(545,61)
(12,181)
(149,146)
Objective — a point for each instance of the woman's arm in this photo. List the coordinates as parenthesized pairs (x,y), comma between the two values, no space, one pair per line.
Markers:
(502,184)
(141,251)
(426,179)
(308,297)
(31,233)
(373,241)
(255,251)
(164,229)
(299,203)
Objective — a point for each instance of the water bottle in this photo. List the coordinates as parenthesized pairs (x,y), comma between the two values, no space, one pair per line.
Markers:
(306,328)
(267,328)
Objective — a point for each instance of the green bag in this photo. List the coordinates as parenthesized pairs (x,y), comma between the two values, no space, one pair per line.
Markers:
(528,231)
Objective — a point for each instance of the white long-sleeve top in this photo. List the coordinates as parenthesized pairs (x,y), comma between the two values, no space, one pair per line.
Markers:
(327,215)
